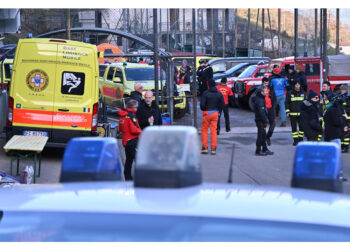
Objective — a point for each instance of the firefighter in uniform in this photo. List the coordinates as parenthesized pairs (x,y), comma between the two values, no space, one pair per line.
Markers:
(204,73)
(261,121)
(346,104)
(294,99)
(310,117)
(212,102)
(227,93)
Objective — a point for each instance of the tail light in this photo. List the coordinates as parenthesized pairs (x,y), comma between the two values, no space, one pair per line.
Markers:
(10,112)
(94,117)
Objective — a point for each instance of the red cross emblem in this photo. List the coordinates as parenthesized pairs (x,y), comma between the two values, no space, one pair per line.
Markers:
(37,80)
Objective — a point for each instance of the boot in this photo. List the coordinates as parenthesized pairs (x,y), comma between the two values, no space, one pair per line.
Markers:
(301,139)
(267,152)
(204,150)
(296,140)
(259,152)
(213,151)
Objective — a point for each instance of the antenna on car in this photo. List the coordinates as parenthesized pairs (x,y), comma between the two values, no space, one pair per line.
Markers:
(231,165)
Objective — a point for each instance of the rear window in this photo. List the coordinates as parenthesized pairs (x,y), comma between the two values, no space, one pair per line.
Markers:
(141,74)
(312,69)
(8,70)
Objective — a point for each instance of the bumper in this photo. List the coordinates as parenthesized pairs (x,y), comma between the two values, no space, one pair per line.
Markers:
(57,137)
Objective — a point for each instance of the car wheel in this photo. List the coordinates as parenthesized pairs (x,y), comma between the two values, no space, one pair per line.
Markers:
(250,101)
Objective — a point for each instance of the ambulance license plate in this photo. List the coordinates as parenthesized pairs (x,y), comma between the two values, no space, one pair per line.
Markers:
(35,133)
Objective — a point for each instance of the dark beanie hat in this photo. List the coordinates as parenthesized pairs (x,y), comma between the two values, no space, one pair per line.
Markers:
(212,83)
(311,95)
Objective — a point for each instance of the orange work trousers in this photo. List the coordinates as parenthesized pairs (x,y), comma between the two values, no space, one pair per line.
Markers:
(210,119)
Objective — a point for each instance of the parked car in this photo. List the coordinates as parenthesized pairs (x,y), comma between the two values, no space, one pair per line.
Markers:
(231,73)
(246,84)
(220,65)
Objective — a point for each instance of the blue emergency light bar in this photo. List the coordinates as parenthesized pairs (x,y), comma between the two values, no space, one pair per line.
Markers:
(317,165)
(168,156)
(91,159)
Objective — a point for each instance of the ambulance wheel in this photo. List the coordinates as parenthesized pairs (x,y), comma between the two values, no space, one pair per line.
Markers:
(250,102)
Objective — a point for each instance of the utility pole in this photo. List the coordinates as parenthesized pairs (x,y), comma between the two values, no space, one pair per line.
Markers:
(321,34)
(202,28)
(155,55)
(279,33)
(295,35)
(160,28)
(194,68)
(212,31)
(183,30)
(223,32)
(124,27)
(135,21)
(248,30)
(263,31)
(128,27)
(146,21)
(337,33)
(236,31)
(271,35)
(68,25)
(325,61)
(167,30)
(315,40)
(256,30)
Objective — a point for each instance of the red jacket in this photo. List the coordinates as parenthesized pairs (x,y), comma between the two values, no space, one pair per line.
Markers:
(129,127)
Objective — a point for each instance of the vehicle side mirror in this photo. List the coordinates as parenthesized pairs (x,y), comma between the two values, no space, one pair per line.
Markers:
(117,80)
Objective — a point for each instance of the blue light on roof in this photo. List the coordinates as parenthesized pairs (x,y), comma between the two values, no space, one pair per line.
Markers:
(91,158)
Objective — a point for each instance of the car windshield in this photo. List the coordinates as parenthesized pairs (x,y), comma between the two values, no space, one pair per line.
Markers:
(233,69)
(248,72)
(141,74)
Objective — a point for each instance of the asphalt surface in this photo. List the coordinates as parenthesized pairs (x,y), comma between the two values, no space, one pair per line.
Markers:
(275,170)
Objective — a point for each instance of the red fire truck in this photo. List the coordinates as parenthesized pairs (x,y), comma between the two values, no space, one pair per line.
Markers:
(246,83)
(338,70)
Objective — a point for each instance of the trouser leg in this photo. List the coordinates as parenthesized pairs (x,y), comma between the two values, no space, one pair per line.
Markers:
(227,117)
(213,123)
(293,123)
(300,133)
(345,141)
(218,123)
(271,115)
(205,126)
(261,139)
(130,153)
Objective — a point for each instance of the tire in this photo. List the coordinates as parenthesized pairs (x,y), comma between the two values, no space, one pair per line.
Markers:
(250,102)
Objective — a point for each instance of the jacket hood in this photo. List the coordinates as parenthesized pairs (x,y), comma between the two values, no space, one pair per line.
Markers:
(213,89)
(124,112)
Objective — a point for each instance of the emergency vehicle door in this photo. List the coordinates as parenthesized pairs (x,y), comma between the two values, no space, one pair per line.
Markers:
(33,87)
(75,88)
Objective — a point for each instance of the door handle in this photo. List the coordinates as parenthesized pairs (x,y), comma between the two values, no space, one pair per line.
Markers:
(74,126)
(63,110)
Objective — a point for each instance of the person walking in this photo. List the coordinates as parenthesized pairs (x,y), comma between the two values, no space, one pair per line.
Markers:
(227,94)
(212,103)
(270,100)
(301,78)
(280,86)
(149,113)
(130,129)
(204,74)
(310,117)
(261,121)
(294,99)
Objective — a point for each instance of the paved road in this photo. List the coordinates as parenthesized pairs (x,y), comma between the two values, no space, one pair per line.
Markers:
(273,170)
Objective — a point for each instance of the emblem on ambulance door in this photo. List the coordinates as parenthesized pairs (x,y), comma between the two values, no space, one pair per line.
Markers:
(37,80)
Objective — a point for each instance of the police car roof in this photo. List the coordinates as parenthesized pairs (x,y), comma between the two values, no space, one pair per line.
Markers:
(280,204)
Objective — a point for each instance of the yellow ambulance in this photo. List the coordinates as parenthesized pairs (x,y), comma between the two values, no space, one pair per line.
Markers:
(54,90)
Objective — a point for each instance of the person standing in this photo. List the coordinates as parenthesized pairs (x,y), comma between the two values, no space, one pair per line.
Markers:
(212,102)
(325,94)
(270,100)
(310,118)
(182,76)
(280,86)
(227,93)
(334,120)
(130,129)
(301,78)
(204,74)
(294,99)
(291,75)
(261,121)
(346,105)
(149,113)
(185,65)
(137,94)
